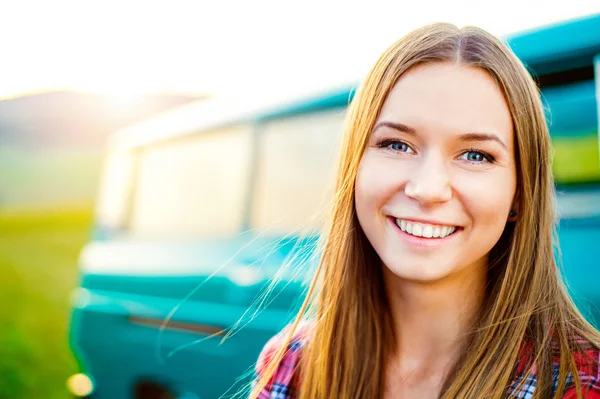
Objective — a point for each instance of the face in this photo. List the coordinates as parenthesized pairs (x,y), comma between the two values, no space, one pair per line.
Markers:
(438,177)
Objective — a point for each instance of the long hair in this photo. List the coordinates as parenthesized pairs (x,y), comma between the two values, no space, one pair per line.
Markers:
(526,301)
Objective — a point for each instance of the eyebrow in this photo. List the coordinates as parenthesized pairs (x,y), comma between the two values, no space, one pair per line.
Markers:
(396,126)
(482,137)
(464,137)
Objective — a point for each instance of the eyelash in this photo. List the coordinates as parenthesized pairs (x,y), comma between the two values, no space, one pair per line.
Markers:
(389,142)
(488,157)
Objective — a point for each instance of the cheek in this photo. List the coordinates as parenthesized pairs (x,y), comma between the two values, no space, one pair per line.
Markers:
(487,199)
(377,182)
(363,191)
(370,193)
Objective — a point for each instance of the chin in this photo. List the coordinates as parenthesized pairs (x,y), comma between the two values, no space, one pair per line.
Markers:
(419,273)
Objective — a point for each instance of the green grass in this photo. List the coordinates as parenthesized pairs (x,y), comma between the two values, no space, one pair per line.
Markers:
(38,259)
(38,177)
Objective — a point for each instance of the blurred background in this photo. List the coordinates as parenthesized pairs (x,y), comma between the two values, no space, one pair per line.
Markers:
(73,72)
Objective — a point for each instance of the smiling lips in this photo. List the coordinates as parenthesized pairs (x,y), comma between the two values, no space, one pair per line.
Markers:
(424,229)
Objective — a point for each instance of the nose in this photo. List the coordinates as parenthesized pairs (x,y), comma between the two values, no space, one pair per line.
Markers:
(429,181)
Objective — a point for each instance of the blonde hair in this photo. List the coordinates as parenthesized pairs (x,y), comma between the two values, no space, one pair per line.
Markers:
(526,300)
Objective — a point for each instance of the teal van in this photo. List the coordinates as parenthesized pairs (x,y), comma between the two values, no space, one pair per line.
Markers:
(200,207)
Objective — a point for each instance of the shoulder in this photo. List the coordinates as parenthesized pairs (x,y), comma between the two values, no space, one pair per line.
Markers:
(293,350)
(587,364)
(285,379)
(589,374)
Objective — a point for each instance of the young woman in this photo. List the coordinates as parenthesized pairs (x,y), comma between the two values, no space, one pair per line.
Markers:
(437,275)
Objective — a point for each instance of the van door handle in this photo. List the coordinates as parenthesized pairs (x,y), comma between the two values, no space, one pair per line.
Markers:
(203,329)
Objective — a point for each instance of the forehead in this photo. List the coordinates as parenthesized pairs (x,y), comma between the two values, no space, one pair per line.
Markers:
(448,97)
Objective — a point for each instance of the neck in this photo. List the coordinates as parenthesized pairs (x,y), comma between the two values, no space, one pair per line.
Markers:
(431,320)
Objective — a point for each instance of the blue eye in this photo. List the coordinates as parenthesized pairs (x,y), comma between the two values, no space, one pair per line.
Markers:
(400,147)
(396,146)
(476,156)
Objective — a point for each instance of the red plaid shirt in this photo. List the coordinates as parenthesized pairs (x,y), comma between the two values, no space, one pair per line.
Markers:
(284,383)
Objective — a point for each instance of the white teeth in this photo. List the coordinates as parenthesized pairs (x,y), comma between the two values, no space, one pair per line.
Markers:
(428,231)
(425,230)
(417,230)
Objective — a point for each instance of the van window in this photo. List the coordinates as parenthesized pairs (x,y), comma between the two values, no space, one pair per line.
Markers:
(295,171)
(192,187)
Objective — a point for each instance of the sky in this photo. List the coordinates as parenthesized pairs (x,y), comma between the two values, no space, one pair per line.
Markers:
(129,47)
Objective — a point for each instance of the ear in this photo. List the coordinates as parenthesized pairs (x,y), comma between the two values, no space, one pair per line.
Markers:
(513,214)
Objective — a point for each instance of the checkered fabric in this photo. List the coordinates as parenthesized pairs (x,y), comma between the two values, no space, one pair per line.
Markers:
(284,383)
